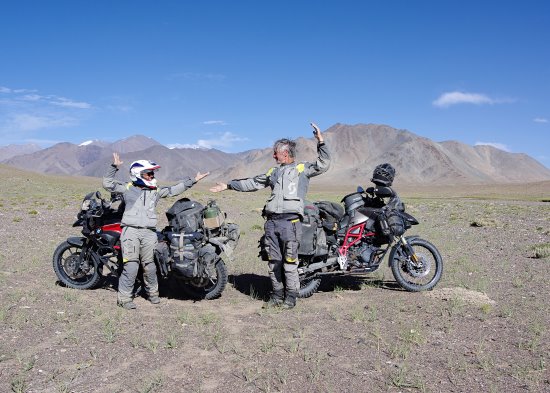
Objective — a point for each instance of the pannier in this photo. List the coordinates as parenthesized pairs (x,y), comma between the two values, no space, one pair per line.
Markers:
(313,241)
(185,216)
(189,256)
(232,232)
(192,227)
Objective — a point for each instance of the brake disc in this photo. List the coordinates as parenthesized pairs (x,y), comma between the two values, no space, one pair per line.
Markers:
(421,268)
(72,266)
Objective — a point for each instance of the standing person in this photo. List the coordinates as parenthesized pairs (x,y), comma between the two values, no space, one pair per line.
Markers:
(283,211)
(139,236)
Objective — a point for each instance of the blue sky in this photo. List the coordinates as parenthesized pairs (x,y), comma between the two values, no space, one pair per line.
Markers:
(236,75)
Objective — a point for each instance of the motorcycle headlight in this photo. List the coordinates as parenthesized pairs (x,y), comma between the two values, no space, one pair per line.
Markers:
(86,204)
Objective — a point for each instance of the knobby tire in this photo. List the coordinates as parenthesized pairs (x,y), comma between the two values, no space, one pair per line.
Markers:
(66,252)
(405,276)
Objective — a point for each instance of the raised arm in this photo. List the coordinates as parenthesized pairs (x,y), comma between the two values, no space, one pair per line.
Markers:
(109,182)
(317,133)
(323,155)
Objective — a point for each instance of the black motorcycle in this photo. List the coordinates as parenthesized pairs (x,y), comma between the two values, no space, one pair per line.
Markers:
(354,239)
(192,251)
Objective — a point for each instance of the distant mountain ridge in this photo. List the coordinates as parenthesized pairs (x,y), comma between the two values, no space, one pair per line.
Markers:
(356,150)
(9,151)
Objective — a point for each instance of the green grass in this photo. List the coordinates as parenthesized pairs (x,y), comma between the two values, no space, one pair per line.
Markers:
(343,337)
(540,250)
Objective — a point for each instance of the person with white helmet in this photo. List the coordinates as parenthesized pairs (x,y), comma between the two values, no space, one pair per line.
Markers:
(139,237)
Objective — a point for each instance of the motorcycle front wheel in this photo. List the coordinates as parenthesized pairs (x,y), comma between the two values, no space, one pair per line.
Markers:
(207,288)
(417,275)
(71,270)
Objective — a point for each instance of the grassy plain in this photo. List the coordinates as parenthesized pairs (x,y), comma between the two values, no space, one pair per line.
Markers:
(484,328)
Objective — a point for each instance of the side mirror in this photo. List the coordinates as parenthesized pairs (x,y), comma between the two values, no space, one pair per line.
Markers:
(383,192)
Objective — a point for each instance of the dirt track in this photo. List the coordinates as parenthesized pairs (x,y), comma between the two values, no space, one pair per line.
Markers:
(484,328)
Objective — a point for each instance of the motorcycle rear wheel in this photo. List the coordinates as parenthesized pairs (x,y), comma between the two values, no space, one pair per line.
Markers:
(211,289)
(308,286)
(66,264)
(422,275)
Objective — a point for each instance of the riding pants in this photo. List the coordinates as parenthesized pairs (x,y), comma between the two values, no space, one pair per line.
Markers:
(138,246)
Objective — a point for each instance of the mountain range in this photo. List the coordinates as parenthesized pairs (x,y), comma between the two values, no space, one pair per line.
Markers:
(356,150)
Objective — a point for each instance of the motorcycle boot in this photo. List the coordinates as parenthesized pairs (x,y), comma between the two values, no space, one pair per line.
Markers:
(290,300)
(275,300)
(127,305)
(154,299)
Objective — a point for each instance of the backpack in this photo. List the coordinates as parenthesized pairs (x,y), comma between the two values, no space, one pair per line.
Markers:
(185,215)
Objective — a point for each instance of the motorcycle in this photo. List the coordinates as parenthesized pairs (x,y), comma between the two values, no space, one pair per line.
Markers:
(354,239)
(192,255)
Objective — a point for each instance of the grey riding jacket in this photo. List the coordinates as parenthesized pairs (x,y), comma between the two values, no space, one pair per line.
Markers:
(141,202)
(289,183)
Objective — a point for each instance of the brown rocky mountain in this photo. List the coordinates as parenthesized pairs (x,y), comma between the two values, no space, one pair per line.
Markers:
(356,150)
(62,158)
(92,159)
(9,151)
(175,163)
(133,143)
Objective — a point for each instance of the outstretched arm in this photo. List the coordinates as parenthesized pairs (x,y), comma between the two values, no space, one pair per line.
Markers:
(201,176)
(219,187)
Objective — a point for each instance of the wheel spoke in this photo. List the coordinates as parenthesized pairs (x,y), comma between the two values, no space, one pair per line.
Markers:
(420,272)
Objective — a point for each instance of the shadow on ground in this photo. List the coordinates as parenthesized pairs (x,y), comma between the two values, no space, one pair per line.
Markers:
(259,286)
(355,283)
(252,285)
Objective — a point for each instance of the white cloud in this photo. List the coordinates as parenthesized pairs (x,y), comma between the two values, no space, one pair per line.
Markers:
(120,108)
(215,122)
(31,97)
(457,97)
(26,122)
(7,90)
(500,146)
(67,103)
(43,142)
(183,146)
(26,111)
(55,100)
(225,140)
(540,120)
(195,76)
(27,95)
(222,141)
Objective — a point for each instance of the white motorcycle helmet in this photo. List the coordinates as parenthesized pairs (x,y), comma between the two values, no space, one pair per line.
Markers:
(143,166)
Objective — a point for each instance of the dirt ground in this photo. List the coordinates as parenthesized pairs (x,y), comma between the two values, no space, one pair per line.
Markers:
(484,328)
